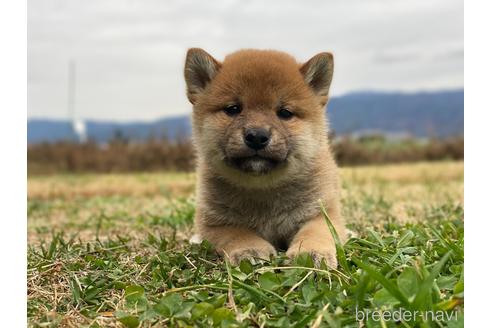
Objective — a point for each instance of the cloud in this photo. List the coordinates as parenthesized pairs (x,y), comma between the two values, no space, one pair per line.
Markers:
(129,53)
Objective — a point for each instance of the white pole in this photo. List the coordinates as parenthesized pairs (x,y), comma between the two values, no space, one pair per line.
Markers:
(78,126)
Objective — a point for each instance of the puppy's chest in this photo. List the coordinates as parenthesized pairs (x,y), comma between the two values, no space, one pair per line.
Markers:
(276,217)
(280,230)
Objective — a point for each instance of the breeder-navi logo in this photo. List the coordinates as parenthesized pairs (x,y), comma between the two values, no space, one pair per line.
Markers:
(405,315)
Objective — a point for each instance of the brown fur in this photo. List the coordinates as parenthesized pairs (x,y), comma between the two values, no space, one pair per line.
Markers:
(247,214)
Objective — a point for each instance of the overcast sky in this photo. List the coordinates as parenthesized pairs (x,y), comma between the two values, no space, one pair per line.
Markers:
(129,53)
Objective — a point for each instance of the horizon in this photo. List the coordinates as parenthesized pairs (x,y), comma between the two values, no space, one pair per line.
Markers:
(188,113)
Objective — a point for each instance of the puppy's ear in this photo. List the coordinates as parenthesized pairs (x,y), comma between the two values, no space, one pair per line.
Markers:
(318,72)
(200,69)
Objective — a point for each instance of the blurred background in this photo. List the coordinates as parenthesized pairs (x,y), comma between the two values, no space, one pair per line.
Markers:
(106,91)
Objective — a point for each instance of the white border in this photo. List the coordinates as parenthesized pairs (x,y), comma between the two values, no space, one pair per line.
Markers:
(478,168)
(13,111)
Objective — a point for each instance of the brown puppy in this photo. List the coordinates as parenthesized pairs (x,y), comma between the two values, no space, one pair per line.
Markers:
(264,162)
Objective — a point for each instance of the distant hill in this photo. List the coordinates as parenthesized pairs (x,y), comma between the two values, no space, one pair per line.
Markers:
(423,114)
(43,130)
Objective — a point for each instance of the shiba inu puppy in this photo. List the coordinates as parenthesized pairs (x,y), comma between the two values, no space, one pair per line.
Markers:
(263,157)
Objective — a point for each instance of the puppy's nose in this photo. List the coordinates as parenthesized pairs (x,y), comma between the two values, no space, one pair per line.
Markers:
(256,138)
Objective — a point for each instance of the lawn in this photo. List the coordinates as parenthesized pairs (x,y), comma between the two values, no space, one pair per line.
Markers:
(112,251)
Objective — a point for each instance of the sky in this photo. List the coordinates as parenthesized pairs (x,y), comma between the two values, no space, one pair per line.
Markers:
(129,54)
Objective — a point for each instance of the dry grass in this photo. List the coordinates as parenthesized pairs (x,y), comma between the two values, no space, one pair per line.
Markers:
(68,186)
(403,177)
(406,191)
(78,202)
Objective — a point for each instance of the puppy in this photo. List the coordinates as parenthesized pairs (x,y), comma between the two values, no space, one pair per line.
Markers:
(263,158)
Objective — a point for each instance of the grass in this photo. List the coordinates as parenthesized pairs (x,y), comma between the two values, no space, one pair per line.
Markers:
(112,251)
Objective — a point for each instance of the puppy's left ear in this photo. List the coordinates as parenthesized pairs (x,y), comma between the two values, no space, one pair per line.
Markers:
(318,73)
(200,69)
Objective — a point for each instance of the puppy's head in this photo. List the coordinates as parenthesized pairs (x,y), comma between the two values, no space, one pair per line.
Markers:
(258,116)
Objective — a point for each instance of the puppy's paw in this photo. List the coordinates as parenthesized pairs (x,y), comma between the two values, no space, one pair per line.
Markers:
(196,239)
(254,254)
(318,254)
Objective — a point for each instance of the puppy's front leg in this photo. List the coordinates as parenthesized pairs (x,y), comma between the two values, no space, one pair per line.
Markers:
(315,238)
(237,243)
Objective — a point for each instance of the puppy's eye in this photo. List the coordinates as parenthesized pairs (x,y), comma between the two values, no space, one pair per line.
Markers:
(285,114)
(232,110)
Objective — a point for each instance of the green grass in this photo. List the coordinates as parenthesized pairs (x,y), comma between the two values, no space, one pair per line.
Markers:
(116,261)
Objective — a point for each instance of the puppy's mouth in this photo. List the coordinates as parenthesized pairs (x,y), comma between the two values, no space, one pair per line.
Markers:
(255,164)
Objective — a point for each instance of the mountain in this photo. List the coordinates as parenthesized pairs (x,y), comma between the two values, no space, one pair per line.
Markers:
(43,130)
(422,114)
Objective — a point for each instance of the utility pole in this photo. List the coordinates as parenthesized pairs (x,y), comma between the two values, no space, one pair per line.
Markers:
(71,90)
(78,126)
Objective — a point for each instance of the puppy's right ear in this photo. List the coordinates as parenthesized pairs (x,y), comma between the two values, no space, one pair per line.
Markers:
(318,73)
(200,69)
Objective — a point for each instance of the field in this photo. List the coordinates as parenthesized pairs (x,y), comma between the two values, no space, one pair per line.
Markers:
(112,250)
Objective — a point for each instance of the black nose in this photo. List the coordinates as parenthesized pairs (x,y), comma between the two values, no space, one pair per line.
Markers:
(256,138)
